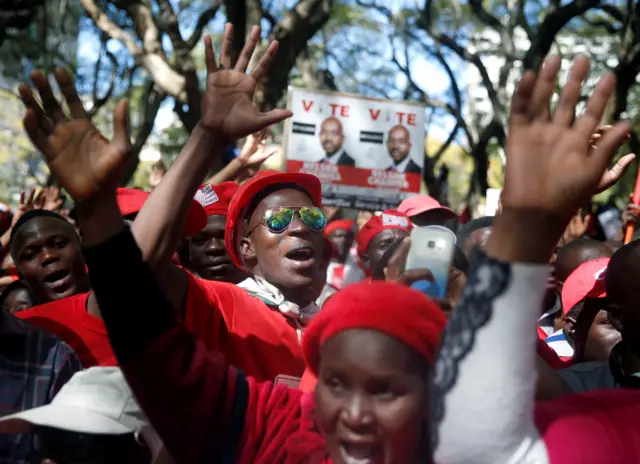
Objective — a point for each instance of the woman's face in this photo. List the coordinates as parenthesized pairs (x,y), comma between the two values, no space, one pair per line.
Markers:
(371,399)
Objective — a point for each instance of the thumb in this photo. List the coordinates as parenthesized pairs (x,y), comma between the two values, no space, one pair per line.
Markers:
(121,137)
(272,117)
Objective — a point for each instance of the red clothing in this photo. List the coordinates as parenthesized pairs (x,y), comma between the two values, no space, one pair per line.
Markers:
(69,319)
(598,426)
(225,317)
(308,381)
(252,336)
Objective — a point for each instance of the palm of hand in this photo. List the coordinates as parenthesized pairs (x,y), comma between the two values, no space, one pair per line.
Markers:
(228,108)
(552,155)
(82,159)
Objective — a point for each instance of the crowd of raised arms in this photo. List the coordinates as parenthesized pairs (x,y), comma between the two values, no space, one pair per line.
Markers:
(239,321)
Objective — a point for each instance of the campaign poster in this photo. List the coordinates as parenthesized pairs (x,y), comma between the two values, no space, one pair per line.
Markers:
(368,153)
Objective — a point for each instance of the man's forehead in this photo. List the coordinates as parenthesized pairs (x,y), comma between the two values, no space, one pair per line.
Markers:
(42,226)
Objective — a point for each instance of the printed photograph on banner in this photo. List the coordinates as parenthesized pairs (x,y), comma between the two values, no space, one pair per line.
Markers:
(367,152)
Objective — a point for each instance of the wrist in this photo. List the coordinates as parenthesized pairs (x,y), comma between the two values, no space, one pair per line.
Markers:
(99,219)
(218,140)
(524,236)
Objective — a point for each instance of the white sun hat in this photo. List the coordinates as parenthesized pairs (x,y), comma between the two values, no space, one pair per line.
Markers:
(97,400)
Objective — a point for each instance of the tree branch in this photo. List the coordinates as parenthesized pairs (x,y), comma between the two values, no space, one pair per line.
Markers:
(551,25)
(102,22)
(99,102)
(153,99)
(484,16)
(150,55)
(202,22)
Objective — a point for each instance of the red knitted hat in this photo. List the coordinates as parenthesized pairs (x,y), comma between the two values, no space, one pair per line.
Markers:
(339,224)
(248,191)
(215,199)
(131,200)
(387,307)
(389,219)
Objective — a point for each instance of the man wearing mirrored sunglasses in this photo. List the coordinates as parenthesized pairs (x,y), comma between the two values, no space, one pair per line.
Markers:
(257,327)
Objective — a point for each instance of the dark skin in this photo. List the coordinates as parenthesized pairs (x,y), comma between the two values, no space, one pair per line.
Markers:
(568,261)
(379,244)
(17,300)
(600,338)
(48,255)
(342,240)
(208,255)
(291,260)
(476,239)
(399,143)
(331,136)
(371,398)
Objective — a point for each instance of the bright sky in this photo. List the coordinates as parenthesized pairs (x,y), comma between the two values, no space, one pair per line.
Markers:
(427,73)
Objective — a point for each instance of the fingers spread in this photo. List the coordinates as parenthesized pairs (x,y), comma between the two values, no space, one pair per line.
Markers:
(225,48)
(607,147)
(272,117)
(33,128)
(209,55)
(265,62)
(65,83)
(595,107)
(570,94)
(544,88)
(248,49)
(49,102)
(121,137)
(522,98)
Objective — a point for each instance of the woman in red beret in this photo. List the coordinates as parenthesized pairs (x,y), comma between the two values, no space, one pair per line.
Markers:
(370,404)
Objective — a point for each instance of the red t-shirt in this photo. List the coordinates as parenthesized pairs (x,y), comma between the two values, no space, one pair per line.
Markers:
(69,319)
(252,336)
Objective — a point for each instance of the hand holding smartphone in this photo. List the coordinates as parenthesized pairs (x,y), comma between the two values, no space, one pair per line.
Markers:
(432,248)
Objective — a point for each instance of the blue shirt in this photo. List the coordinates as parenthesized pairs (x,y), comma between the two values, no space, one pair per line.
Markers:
(34,365)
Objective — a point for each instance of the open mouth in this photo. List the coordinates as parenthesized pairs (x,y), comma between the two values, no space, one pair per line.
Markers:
(301,254)
(58,280)
(353,453)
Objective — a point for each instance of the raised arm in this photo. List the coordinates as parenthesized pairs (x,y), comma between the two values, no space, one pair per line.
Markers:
(228,114)
(485,378)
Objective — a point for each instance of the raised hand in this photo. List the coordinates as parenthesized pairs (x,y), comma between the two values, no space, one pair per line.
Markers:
(551,167)
(228,109)
(611,176)
(85,163)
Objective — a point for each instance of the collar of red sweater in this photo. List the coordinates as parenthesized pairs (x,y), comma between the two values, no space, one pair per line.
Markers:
(260,288)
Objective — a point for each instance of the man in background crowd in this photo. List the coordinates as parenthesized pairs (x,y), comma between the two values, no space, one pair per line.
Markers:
(399,146)
(331,139)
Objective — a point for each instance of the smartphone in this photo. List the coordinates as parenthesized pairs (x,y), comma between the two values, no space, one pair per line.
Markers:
(432,248)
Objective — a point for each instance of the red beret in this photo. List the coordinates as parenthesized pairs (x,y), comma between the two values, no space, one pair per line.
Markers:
(131,200)
(215,199)
(389,219)
(390,308)
(339,224)
(248,191)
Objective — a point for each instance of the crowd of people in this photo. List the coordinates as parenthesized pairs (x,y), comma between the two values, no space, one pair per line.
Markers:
(239,321)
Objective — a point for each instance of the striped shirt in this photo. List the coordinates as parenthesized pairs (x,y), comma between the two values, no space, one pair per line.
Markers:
(33,366)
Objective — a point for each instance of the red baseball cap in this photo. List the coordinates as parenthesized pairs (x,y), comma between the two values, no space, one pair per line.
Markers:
(587,281)
(339,224)
(389,219)
(131,200)
(215,199)
(249,190)
(419,204)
